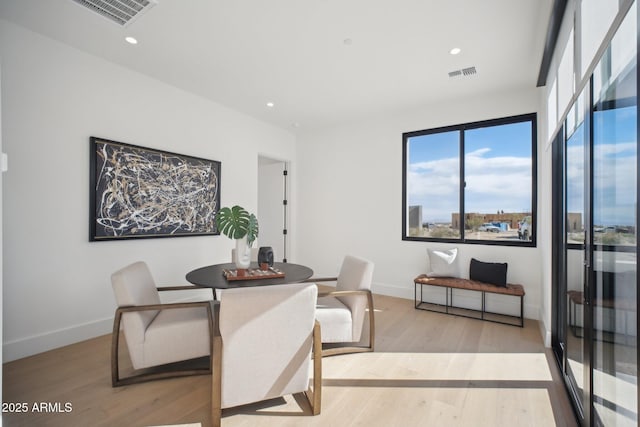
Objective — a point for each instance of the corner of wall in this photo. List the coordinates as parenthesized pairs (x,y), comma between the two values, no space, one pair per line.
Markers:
(545,330)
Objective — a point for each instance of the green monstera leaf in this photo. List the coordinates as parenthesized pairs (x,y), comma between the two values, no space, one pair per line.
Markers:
(252,232)
(236,223)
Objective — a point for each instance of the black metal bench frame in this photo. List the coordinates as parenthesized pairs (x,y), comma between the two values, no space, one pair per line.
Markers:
(421,304)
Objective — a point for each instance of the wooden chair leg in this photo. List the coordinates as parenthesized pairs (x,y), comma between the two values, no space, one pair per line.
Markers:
(216,372)
(115,347)
(315,396)
(372,323)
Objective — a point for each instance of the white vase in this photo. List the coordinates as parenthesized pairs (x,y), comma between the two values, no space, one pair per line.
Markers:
(243,254)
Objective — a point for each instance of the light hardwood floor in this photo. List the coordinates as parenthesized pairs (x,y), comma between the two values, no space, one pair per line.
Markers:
(428,369)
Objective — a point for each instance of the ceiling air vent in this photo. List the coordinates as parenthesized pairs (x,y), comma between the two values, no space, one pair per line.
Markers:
(122,12)
(468,71)
(464,72)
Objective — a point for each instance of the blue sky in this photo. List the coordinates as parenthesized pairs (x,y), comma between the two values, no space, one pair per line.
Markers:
(615,152)
(497,171)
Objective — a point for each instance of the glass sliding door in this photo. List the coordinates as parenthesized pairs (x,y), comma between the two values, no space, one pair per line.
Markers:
(574,246)
(595,214)
(613,274)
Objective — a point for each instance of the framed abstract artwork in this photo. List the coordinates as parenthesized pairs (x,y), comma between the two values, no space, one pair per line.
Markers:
(138,192)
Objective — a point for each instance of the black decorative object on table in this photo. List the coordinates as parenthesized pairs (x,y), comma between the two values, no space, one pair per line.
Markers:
(265,255)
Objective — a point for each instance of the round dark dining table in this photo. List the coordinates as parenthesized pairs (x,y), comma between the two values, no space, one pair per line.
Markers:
(212,276)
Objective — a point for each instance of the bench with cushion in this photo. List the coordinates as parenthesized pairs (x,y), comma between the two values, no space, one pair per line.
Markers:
(450,283)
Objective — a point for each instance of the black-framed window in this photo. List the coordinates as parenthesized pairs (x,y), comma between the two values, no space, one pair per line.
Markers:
(471,183)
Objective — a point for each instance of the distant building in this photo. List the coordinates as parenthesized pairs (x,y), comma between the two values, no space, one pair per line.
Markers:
(574,222)
(415,217)
(511,219)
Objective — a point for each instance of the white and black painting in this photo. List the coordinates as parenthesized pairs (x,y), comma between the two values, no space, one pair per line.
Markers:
(139,192)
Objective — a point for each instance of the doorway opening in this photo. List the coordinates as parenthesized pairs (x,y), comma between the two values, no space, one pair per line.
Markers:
(273,206)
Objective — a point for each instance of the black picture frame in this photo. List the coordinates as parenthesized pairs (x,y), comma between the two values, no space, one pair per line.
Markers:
(137,192)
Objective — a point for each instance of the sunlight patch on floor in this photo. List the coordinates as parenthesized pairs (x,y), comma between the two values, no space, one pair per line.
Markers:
(439,366)
(400,406)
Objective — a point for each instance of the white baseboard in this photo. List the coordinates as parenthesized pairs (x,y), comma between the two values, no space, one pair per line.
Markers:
(392,291)
(546,335)
(545,331)
(17,349)
(35,344)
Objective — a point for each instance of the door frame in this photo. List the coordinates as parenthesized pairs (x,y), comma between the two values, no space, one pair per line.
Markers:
(281,196)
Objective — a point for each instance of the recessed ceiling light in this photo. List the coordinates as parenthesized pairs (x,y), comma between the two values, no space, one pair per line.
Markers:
(455,51)
(131,40)
(270,104)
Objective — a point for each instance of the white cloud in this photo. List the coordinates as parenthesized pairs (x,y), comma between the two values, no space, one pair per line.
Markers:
(492,183)
(614,182)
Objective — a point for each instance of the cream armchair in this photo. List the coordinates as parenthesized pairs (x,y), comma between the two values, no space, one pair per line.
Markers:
(157,334)
(263,344)
(341,313)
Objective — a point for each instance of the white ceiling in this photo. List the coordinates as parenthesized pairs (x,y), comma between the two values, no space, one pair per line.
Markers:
(245,53)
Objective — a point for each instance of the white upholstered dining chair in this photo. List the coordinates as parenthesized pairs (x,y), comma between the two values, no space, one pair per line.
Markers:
(157,334)
(263,342)
(342,312)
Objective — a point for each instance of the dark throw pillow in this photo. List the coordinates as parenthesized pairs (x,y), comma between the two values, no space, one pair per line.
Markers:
(488,272)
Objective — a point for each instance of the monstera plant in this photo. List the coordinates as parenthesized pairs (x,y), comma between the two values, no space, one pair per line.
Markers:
(238,224)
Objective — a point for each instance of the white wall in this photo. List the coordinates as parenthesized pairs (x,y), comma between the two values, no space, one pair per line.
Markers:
(56,283)
(545,246)
(351,197)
